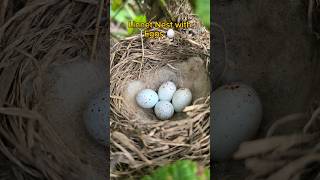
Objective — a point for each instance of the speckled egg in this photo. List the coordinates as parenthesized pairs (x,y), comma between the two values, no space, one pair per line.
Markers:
(237,113)
(164,110)
(147,98)
(166,91)
(181,98)
(96,118)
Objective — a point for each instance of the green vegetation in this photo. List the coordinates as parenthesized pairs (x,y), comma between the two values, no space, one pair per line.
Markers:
(180,170)
(122,11)
(202,9)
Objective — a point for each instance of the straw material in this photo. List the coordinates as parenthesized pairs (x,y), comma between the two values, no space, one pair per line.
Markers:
(33,36)
(139,142)
(285,155)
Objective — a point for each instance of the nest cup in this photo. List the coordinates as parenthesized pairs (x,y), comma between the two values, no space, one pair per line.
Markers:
(138,139)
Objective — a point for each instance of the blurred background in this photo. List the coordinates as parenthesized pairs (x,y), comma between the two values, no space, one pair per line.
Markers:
(122,11)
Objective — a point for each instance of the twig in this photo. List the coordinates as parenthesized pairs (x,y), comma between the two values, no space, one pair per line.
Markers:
(311,121)
(286,119)
(281,143)
(34,61)
(127,142)
(95,41)
(142,57)
(115,160)
(291,169)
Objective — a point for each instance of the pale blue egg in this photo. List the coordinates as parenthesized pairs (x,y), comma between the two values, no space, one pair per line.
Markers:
(164,110)
(237,113)
(147,98)
(166,91)
(96,118)
(181,99)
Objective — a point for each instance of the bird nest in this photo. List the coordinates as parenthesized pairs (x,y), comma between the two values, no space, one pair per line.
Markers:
(34,37)
(139,140)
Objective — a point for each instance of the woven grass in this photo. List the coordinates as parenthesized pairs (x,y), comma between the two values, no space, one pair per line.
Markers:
(34,36)
(285,155)
(39,34)
(137,142)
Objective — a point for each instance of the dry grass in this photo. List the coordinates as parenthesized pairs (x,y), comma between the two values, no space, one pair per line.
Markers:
(42,34)
(34,38)
(281,156)
(148,144)
(139,144)
(31,41)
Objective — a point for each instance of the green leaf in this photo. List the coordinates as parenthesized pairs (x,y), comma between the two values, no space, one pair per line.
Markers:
(116,4)
(202,9)
(180,170)
(140,19)
(121,16)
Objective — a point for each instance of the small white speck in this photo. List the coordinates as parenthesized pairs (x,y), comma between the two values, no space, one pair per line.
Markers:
(170,33)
